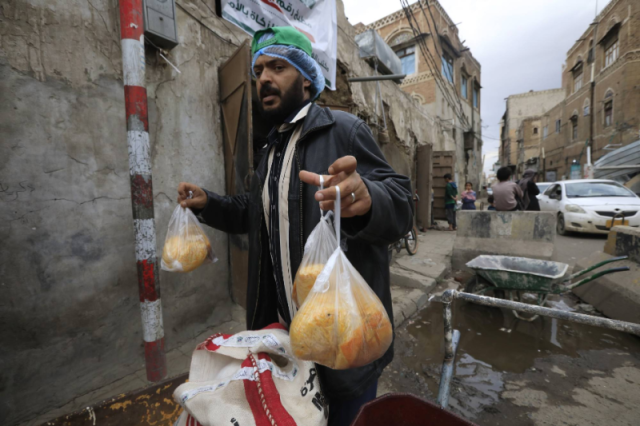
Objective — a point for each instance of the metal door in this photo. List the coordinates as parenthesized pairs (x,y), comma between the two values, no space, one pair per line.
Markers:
(443,163)
(235,100)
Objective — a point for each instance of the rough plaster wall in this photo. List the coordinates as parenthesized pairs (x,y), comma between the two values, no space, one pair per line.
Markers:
(69,305)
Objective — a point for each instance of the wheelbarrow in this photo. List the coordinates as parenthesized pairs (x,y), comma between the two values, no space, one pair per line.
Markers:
(521,275)
(406,410)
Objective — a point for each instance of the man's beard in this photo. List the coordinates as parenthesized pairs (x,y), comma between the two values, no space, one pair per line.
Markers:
(289,101)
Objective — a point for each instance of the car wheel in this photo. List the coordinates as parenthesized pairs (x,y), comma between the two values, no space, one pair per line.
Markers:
(560,227)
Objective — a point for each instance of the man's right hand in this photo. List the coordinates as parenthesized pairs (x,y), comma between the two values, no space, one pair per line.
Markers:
(199,200)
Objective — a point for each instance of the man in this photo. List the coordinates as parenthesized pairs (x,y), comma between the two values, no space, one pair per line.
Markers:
(280,211)
(450,200)
(506,194)
(530,190)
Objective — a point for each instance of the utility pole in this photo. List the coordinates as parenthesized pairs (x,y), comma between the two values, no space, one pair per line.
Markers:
(135,96)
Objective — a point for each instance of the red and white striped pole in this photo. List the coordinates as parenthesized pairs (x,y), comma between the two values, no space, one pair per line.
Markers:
(135,95)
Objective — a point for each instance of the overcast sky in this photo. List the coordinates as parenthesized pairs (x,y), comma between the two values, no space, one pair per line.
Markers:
(521,45)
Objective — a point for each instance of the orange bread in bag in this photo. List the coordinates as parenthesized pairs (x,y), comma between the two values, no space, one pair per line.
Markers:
(305,278)
(345,331)
(186,253)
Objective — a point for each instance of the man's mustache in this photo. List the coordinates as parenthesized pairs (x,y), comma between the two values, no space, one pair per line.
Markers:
(268,91)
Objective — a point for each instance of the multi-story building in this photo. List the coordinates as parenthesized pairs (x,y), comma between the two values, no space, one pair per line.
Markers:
(513,137)
(442,76)
(600,108)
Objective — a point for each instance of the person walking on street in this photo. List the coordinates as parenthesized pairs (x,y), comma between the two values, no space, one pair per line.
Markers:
(450,200)
(281,209)
(530,190)
(468,197)
(506,194)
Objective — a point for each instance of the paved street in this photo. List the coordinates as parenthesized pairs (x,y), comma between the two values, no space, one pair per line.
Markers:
(570,249)
(517,373)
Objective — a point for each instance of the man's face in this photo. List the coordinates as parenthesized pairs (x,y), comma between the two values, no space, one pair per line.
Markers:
(281,88)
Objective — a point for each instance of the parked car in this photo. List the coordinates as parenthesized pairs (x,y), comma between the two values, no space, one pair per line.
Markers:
(589,205)
(542,186)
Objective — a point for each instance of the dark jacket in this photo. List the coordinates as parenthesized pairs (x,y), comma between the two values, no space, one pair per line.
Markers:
(326,136)
(532,191)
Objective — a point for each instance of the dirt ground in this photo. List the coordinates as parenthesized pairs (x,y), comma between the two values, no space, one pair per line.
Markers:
(511,372)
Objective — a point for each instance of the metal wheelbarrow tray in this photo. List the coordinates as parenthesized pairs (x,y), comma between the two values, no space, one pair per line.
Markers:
(519,275)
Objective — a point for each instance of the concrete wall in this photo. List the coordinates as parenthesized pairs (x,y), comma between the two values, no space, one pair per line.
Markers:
(69,308)
(616,295)
(523,234)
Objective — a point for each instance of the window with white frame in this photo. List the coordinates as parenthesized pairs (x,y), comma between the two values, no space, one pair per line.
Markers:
(447,67)
(463,86)
(611,47)
(476,96)
(586,108)
(577,77)
(407,56)
(545,132)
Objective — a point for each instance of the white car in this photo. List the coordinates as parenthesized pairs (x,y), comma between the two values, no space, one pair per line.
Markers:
(589,205)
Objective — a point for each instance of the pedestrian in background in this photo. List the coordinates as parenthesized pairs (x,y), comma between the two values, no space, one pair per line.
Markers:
(507,195)
(530,190)
(468,197)
(450,200)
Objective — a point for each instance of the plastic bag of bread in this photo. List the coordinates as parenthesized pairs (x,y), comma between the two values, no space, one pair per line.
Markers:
(186,246)
(317,251)
(342,323)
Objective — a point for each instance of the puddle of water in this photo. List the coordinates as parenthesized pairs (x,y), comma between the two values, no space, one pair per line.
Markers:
(493,342)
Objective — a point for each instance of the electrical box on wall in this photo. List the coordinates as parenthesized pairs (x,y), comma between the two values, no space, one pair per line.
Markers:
(160,23)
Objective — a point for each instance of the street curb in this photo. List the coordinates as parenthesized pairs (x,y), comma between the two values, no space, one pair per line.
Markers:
(410,279)
(406,302)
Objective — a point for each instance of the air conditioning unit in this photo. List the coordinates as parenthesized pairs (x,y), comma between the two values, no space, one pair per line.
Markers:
(373,48)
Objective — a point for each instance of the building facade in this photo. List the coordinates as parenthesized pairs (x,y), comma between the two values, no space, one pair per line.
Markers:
(600,108)
(442,76)
(521,107)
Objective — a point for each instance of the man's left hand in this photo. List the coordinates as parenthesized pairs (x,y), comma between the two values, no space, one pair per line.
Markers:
(343,174)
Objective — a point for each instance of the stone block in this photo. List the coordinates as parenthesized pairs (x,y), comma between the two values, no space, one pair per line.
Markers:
(616,295)
(525,234)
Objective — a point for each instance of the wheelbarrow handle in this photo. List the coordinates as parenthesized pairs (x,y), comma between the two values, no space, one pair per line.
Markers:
(596,275)
(596,266)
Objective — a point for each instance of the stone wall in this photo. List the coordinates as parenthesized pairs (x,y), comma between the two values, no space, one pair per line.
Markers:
(522,234)
(69,308)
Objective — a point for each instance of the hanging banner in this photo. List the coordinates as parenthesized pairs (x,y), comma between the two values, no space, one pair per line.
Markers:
(314,18)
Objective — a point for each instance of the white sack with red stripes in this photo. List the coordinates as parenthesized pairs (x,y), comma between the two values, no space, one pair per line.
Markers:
(251,379)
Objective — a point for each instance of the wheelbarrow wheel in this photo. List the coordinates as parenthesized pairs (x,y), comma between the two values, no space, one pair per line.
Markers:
(519,297)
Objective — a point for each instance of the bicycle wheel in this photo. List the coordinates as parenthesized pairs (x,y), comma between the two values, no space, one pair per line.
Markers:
(411,241)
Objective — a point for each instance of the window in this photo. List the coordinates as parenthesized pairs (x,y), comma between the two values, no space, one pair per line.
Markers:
(611,51)
(476,94)
(586,110)
(574,126)
(608,113)
(408,58)
(463,87)
(545,132)
(577,77)
(535,130)
(558,125)
(447,67)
